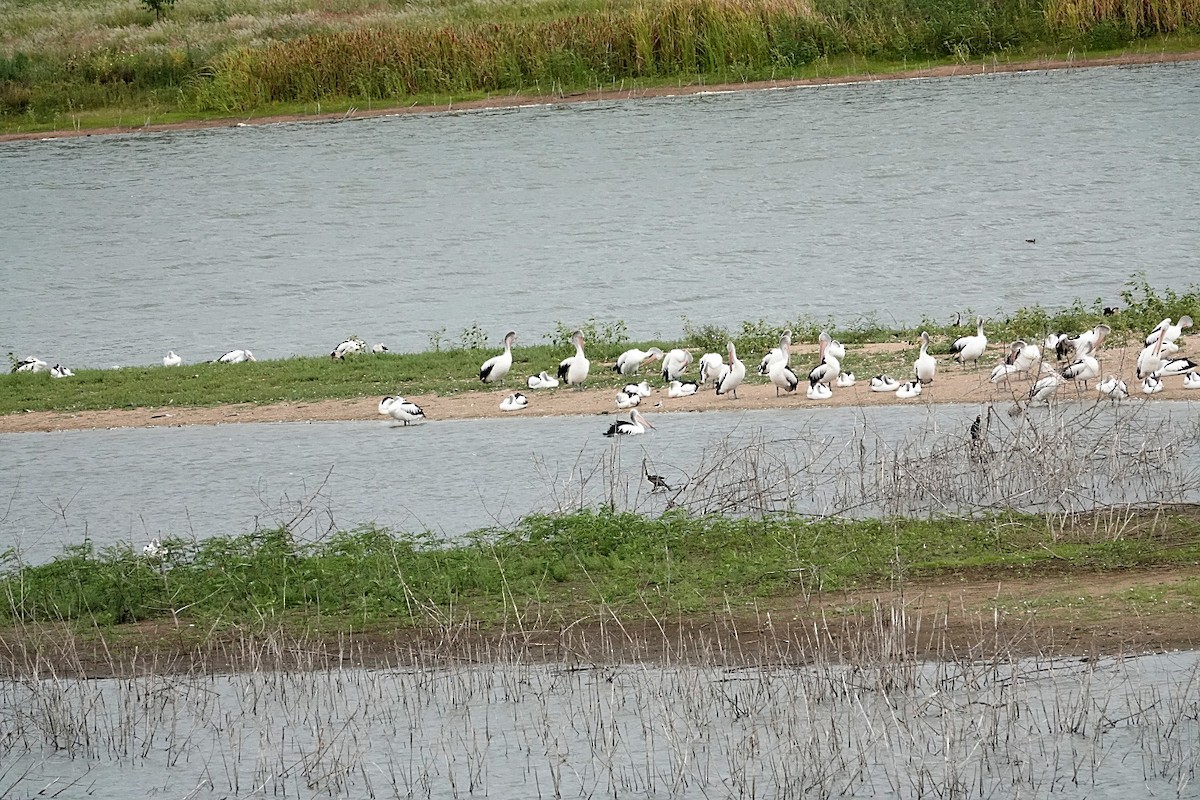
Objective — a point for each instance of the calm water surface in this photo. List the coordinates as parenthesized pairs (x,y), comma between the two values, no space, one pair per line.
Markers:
(893,200)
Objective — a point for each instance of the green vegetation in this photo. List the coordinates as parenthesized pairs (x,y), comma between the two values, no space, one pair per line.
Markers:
(119,61)
(561,568)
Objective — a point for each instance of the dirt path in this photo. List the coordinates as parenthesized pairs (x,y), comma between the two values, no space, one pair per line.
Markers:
(510,101)
(954,384)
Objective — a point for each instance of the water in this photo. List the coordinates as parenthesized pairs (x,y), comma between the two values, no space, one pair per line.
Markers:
(890,200)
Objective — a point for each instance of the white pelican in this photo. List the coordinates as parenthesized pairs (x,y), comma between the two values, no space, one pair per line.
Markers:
(379,347)
(1152,384)
(31,364)
(514,402)
(1052,342)
(710,365)
(154,549)
(1191,380)
(1113,388)
(1002,372)
(172,360)
(59,371)
(783,377)
(782,353)
(884,383)
(1091,339)
(1176,366)
(641,389)
(574,369)
(1169,332)
(836,349)
(682,388)
(634,425)
(828,367)
(733,377)
(349,347)
(907,391)
(925,367)
(400,409)
(1024,356)
(819,391)
(496,367)
(543,381)
(627,399)
(630,361)
(845,380)
(235,357)
(970,348)
(1045,388)
(1083,369)
(675,363)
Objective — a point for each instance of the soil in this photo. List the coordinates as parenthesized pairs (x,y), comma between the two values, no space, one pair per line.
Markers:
(509,101)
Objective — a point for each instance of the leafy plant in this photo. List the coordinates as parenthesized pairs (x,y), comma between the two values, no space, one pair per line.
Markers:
(159,7)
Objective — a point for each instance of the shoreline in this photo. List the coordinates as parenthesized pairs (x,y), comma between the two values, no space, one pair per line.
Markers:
(518,101)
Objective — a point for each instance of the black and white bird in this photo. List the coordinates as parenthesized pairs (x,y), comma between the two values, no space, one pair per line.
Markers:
(31,364)
(782,353)
(400,409)
(574,369)
(235,357)
(675,363)
(542,381)
(59,371)
(630,361)
(828,367)
(514,402)
(657,481)
(884,383)
(733,377)
(348,348)
(171,359)
(629,427)
(496,368)
(970,348)
(925,367)
(682,388)
(1113,388)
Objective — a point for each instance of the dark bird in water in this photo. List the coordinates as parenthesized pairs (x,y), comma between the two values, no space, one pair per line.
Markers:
(977,428)
(657,481)
(1112,311)
(1031,241)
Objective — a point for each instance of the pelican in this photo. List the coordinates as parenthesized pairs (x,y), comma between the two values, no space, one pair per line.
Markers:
(682,389)
(379,347)
(1176,366)
(514,402)
(782,353)
(1045,388)
(845,380)
(640,389)
(733,377)
(675,363)
(496,367)
(627,399)
(884,383)
(634,425)
(828,368)
(710,368)
(154,549)
(349,347)
(542,381)
(970,348)
(400,409)
(1023,356)
(1113,388)
(1002,372)
(836,349)
(630,361)
(31,364)
(907,391)
(1191,380)
(925,366)
(1152,384)
(1083,369)
(819,391)
(171,360)
(782,376)
(1052,342)
(574,369)
(1091,339)
(1169,332)
(59,371)
(235,357)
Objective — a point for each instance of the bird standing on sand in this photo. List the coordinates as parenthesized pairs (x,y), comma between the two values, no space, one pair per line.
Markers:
(400,409)
(574,369)
(970,348)
(925,367)
(733,378)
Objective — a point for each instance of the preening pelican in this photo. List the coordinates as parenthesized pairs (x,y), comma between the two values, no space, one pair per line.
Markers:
(496,367)
(630,361)
(1083,369)
(1023,356)
(235,357)
(1113,388)
(379,347)
(1152,384)
(59,371)
(1090,340)
(907,391)
(970,348)
(884,383)
(710,367)
(1169,332)
(783,377)
(925,367)
(634,425)
(514,402)
(171,360)
(349,347)
(400,409)
(819,391)
(828,367)
(1002,372)
(1191,380)
(31,364)
(782,353)
(574,369)
(845,380)
(682,388)
(836,349)
(542,381)
(627,399)
(1045,389)
(675,363)
(733,377)
(641,389)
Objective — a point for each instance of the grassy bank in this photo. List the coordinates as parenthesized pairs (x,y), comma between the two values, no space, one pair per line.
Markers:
(453,367)
(562,568)
(111,61)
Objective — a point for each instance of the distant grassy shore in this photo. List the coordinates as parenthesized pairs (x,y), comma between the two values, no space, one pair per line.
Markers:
(106,63)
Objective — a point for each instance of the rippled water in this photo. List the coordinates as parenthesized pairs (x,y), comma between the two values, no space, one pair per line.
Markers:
(893,199)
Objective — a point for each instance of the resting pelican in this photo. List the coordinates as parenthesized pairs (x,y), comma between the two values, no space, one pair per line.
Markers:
(235,357)
(925,367)
(783,377)
(59,371)
(1002,372)
(845,380)
(634,425)
(710,367)
(970,348)
(1169,332)
(400,409)
(514,402)
(828,367)
(542,381)
(628,399)
(379,347)
(675,363)
(1152,384)
(1113,388)
(733,377)
(1045,388)
(1191,380)
(682,388)
(640,389)
(1176,366)
(496,367)
(782,353)
(630,361)
(884,383)
(574,369)
(31,364)
(907,391)
(171,360)
(819,391)
(1083,369)
(349,347)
